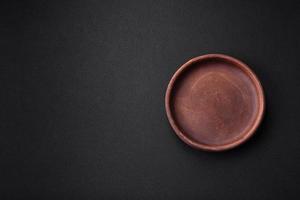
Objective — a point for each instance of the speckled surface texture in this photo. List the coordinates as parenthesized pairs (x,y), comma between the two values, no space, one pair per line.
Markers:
(82,86)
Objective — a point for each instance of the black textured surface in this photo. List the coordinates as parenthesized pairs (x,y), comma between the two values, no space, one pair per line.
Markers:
(82,99)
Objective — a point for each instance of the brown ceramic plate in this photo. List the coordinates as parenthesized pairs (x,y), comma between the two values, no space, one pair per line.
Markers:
(214,102)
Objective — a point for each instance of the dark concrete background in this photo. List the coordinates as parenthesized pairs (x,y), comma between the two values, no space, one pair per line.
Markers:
(82,99)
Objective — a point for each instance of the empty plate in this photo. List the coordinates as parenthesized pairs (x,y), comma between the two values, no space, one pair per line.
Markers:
(214,102)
